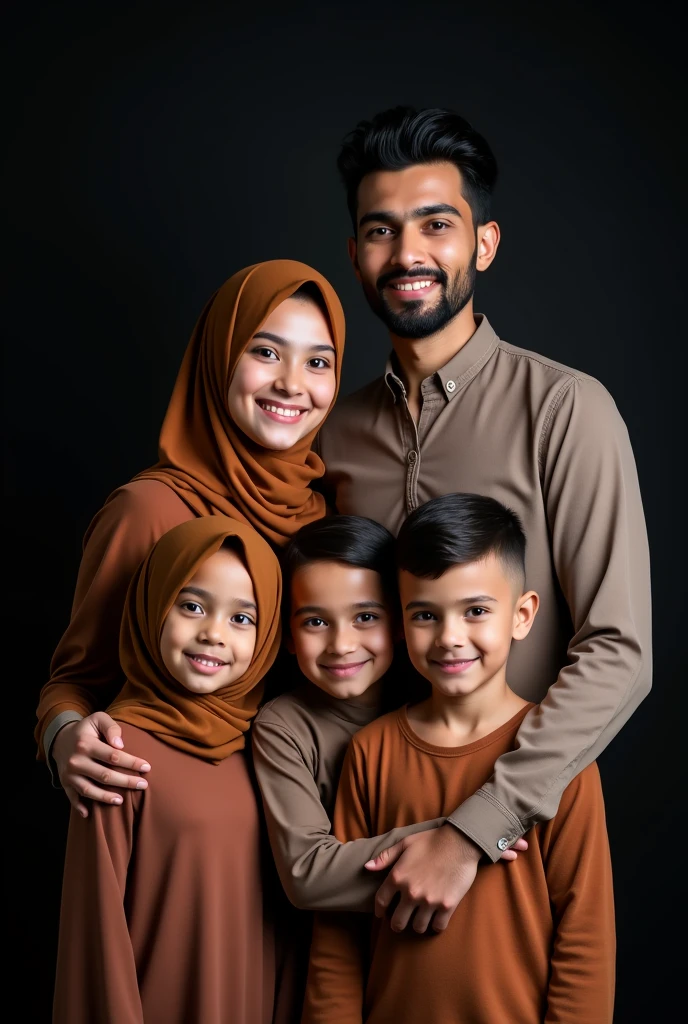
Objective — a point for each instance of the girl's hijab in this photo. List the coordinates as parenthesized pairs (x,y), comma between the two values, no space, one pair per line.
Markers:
(210,726)
(203,456)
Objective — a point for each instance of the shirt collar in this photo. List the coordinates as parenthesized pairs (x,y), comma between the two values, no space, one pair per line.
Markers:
(454,375)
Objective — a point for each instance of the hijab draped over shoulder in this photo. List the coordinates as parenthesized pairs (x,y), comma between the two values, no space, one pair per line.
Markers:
(210,726)
(203,456)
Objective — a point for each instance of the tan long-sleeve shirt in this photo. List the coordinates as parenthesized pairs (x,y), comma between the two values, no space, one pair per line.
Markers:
(549,442)
(530,942)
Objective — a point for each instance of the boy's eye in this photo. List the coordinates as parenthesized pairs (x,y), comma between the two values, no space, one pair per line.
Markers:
(423,617)
(314,622)
(240,619)
(476,613)
(366,617)
(192,606)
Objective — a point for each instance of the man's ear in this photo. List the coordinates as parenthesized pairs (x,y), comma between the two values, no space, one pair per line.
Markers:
(524,614)
(353,256)
(487,242)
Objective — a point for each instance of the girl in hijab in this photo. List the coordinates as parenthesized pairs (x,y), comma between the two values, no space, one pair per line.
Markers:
(162,907)
(258,378)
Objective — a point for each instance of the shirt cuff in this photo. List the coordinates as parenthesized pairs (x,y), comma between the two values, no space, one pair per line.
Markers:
(488,823)
(64,718)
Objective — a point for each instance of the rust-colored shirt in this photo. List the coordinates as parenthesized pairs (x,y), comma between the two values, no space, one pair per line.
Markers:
(549,442)
(531,941)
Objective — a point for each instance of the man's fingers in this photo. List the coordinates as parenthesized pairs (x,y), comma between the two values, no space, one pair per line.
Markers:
(509,855)
(386,858)
(384,897)
(520,844)
(402,915)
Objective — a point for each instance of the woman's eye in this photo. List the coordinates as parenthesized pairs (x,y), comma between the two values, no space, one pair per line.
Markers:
(317,363)
(265,353)
(193,607)
(242,620)
(315,622)
(366,617)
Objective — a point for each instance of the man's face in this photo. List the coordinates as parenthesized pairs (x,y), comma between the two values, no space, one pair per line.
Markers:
(416,250)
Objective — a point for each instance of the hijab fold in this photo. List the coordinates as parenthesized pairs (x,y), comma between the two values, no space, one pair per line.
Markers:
(210,726)
(203,456)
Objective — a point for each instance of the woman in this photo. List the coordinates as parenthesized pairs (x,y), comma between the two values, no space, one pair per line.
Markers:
(259,376)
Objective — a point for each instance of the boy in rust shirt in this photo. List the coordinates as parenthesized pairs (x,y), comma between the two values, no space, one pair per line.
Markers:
(529,944)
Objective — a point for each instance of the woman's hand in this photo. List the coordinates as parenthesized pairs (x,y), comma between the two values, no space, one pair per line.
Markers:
(89,752)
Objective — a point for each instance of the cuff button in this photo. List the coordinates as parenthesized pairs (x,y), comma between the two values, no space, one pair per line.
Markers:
(502,844)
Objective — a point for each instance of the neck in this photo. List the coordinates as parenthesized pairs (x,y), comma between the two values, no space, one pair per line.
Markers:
(419,358)
(452,721)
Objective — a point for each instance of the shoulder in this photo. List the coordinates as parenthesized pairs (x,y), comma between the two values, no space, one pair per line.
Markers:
(152,496)
(585,790)
(289,712)
(558,378)
(373,736)
(349,407)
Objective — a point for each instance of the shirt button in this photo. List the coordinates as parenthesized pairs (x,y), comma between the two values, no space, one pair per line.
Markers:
(412,456)
(450,386)
(502,844)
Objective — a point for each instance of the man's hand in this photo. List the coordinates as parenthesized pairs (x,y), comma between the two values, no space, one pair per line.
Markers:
(82,758)
(433,872)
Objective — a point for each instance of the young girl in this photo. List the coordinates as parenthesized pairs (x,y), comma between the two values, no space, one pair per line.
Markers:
(162,908)
(259,377)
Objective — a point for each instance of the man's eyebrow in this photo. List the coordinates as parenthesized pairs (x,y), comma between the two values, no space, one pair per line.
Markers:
(198,592)
(477,599)
(388,217)
(278,340)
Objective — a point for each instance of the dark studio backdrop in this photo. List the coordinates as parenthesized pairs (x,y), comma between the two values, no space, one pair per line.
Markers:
(153,151)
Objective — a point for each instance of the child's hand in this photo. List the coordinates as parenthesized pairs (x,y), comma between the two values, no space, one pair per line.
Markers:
(82,757)
(432,873)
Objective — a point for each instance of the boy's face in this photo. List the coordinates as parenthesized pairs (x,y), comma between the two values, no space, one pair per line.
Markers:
(341,627)
(459,627)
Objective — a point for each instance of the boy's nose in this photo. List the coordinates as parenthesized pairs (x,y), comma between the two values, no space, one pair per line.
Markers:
(342,641)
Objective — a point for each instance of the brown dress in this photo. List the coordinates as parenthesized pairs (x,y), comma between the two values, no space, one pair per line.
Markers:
(162,906)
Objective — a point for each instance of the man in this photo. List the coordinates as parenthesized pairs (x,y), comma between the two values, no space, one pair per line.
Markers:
(459,410)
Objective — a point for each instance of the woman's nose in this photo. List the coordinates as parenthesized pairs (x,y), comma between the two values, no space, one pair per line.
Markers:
(289,381)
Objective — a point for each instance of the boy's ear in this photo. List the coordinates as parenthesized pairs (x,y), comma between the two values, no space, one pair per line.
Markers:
(524,614)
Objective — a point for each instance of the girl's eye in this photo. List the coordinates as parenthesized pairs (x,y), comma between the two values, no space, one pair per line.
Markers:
(366,617)
(318,363)
(192,606)
(266,353)
(423,617)
(315,622)
(242,620)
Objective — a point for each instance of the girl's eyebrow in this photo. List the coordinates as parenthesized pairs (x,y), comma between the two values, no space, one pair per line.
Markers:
(198,592)
(276,339)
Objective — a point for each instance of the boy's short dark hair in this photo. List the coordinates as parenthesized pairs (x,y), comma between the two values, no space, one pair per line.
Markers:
(403,136)
(457,529)
(350,540)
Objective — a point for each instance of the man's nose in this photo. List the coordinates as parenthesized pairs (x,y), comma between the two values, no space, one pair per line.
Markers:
(408,248)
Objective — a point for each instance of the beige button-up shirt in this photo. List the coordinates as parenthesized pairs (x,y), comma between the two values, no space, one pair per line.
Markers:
(548,442)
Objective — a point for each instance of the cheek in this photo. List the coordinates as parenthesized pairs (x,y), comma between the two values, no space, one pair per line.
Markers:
(322,391)
(249,377)
(307,647)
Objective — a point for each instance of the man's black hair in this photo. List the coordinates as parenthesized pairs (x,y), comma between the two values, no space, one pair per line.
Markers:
(457,529)
(403,136)
(349,540)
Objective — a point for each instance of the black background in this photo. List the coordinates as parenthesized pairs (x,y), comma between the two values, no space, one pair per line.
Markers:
(153,151)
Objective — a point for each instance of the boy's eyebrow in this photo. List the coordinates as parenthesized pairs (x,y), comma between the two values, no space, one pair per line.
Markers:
(314,609)
(389,217)
(277,339)
(209,597)
(477,599)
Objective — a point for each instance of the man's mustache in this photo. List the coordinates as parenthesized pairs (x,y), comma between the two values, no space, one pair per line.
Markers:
(423,272)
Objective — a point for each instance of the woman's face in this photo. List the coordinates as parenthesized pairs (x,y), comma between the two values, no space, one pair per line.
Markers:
(284,383)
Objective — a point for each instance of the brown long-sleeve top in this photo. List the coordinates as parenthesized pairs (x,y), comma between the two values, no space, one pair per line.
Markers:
(85,674)
(548,442)
(531,941)
(162,905)
(299,741)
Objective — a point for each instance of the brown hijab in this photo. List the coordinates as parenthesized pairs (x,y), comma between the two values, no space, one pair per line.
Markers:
(203,456)
(210,726)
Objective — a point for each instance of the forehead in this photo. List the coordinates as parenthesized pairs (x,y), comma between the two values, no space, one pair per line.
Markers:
(412,187)
(334,585)
(488,577)
(223,574)
(300,322)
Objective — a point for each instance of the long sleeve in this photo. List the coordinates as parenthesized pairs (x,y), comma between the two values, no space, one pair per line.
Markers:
(579,879)
(317,871)
(96,973)
(85,673)
(600,555)
(336,970)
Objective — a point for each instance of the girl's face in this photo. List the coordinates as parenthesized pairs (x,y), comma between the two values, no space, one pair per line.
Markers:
(209,635)
(341,627)
(284,383)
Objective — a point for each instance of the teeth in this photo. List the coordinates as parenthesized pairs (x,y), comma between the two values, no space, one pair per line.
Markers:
(415,287)
(209,662)
(280,411)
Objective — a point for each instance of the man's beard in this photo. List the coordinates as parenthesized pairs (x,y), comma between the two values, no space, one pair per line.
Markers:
(414,321)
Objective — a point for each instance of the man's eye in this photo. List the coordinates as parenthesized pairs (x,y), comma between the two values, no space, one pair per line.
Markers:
(437,225)
(317,363)
(192,606)
(379,232)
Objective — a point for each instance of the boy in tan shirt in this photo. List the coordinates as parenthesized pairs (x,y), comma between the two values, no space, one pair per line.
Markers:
(528,944)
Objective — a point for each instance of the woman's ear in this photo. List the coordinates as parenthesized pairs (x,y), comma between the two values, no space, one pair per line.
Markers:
(524,614)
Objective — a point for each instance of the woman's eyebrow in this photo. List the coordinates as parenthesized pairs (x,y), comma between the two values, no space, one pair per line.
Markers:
(276,339)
